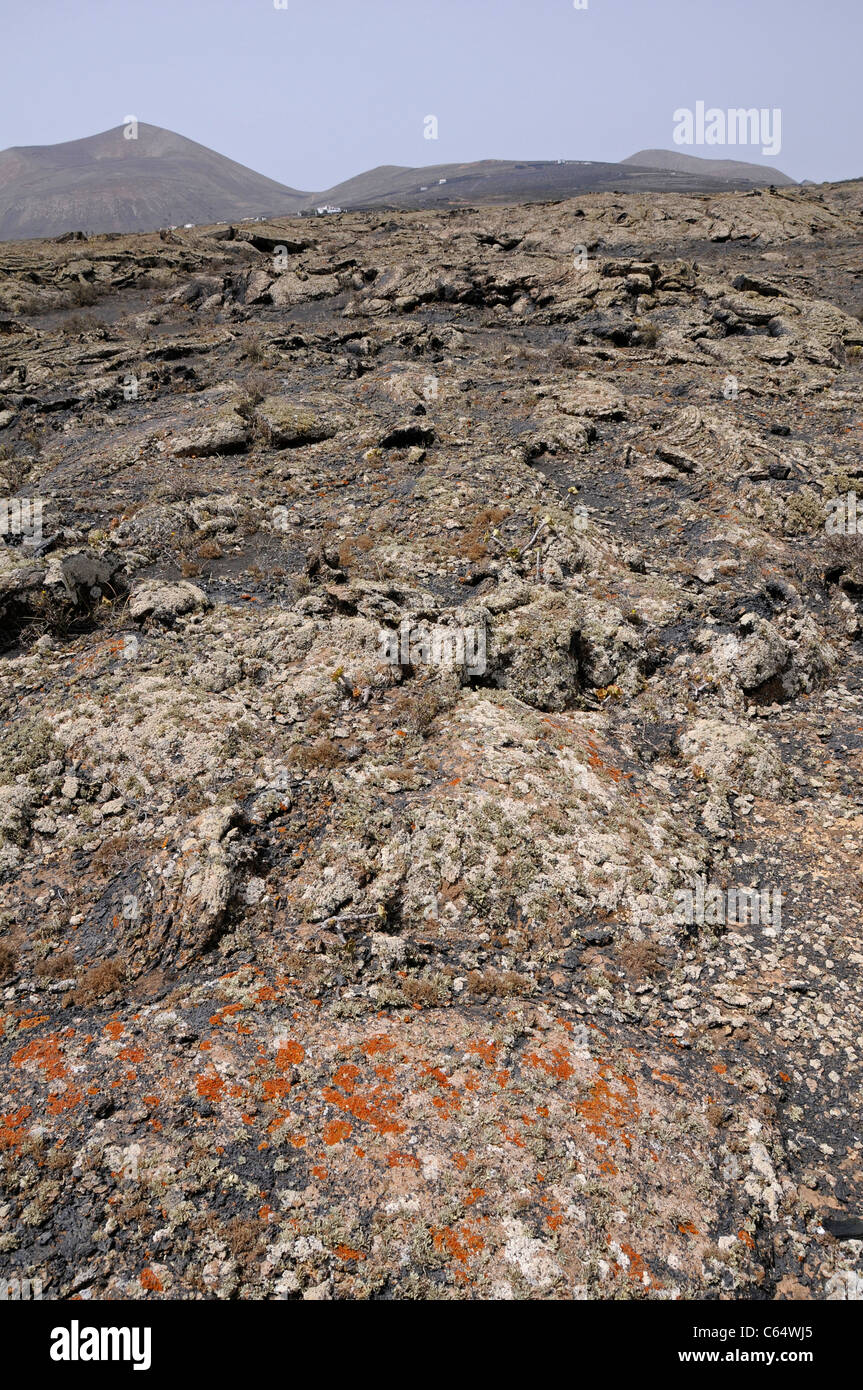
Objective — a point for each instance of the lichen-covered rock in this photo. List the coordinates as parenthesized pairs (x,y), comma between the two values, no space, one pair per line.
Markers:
(286,425)
(289,288)
(535,653)
(728,755)
(155,599)
(228,433)
(17,806)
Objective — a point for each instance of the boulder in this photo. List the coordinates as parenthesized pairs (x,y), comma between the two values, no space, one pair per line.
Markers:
(287,425)
(726,755)
(163,601)
(228,433)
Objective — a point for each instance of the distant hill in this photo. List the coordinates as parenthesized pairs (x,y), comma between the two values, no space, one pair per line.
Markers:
(760,174)
(107,183)
(520,181)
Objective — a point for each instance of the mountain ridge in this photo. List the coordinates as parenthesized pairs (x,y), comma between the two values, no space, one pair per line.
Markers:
(117,182)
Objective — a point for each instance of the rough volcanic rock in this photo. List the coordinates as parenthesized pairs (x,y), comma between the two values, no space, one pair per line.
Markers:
(430,740)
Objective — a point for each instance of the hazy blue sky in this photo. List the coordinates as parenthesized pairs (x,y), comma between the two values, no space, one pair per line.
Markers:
(324,89)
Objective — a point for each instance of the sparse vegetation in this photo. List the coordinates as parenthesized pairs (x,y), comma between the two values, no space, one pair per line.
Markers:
(26,744)
(8,958)
(98,982)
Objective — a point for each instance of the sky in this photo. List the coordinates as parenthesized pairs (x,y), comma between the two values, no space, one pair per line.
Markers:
(321,90)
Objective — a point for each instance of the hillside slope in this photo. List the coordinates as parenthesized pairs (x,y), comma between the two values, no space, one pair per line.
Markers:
(106,183)
(734,169)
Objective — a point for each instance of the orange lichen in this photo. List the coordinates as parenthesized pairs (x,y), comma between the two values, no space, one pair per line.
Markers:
(607,1111)
(337,1131)
(373,1107)
(459,1245)
(66,1100)
(10,1123)
(276,1088)
(45,1052)
(559,1066)
(379,1043)
(488,1051)
(402,1160)
(346,1077)
(637,1267)
(210,1086)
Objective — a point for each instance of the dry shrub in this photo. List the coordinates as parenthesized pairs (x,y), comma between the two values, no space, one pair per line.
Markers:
(648,334)
(472,545)
(641,958)
(8,958)
(243,1235)
(419,991)
(80,323)
(565,355)
(416,710)
(322,754)
(491,516)
(104,859)
(255,350)
(501,982)
(98,982)
(844,550)
(56,967)
(209,550)
(83,294)
(317,721)
(349,547)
